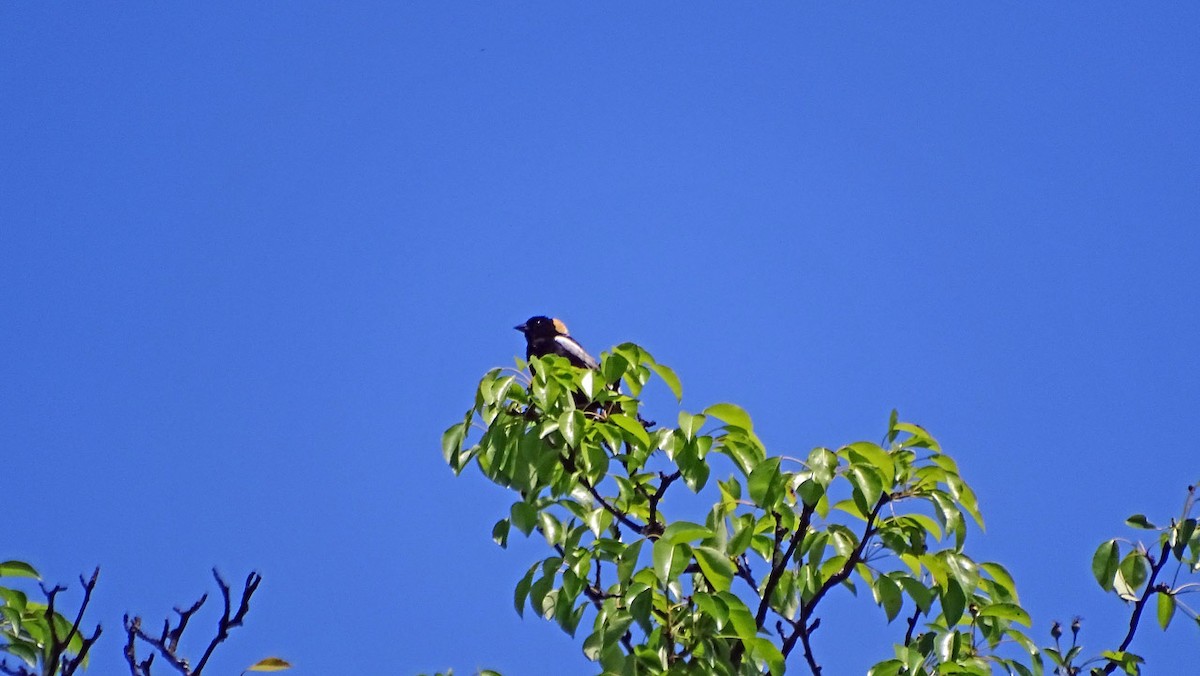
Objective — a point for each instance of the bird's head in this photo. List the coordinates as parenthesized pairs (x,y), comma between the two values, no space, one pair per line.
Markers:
(542,327)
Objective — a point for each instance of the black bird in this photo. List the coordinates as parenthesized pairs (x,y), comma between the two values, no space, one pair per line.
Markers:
(544,336)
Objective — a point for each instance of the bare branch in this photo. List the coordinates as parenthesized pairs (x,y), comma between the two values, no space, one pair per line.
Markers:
(167,643)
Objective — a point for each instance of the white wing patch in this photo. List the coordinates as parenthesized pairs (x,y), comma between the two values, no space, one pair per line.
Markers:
(574,349)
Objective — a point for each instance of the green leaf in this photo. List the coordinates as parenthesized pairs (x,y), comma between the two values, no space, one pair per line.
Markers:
(766,483)
(1001,577)
(717,567)
(765,650)
(731,414)
(1105,562)
(1006,611)
(524,516)
(452,441)
(1134,569)
(570,424)
(920,594)
(694,470)
(628,560)
(954,601)
(810,492)
(867,480)
(886,668)
(669,378)
(887,595)
(1182,535)
(865,451)
(743,533)
(685,531)
(690,424)
(1140,521)
(739,616)
(631,426)
(500,533)
(1166,609)
(663,556)
(712,606)
(598,520)
(551,527)
(613,366)
(18,569)
(522,590)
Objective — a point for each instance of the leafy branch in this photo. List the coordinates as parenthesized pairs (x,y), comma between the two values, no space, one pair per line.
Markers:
(593,480)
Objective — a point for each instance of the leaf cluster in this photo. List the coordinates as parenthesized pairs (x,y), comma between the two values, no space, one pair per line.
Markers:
(736,590)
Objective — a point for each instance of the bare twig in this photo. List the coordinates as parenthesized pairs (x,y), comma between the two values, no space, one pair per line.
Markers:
(167,643)
(71,665)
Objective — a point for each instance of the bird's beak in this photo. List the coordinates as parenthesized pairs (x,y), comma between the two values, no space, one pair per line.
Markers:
(520,327)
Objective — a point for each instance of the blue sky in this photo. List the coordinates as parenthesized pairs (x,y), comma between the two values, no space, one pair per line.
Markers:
(255,256)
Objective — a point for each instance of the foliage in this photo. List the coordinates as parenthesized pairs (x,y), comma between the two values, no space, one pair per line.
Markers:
(39,638)
(736,590)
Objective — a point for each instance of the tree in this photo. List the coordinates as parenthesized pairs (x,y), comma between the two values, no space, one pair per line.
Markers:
(740,589)
(43,642)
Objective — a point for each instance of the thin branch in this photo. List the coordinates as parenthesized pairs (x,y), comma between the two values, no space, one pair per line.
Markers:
(133,628)
(226,622)
(569,465)
(802,630)
(1141,603)
(780,565)
(805,633)
(69,666)
(655,528)
(167,643)
(912,625)
(617,513)
(744,572)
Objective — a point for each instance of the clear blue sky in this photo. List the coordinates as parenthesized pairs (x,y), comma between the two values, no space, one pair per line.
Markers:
(255,256)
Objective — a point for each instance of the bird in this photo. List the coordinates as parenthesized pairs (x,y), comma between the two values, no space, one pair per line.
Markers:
(544,336)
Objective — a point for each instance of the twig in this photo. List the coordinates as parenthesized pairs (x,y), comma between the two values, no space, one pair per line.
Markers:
(803,631)
(912,625)
(226,623)
(780,565)
(1141,603)
(167,643)
(70,665)
(654,528)
(619,514)
(744,572)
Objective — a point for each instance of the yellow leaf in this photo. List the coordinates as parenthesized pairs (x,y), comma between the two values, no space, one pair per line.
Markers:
(269,664)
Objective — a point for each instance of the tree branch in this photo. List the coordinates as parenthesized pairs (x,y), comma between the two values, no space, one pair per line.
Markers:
(655,528)
(803,630)
(781,564)
(167,643)
(71,665)
(1136,617)
(912,625)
